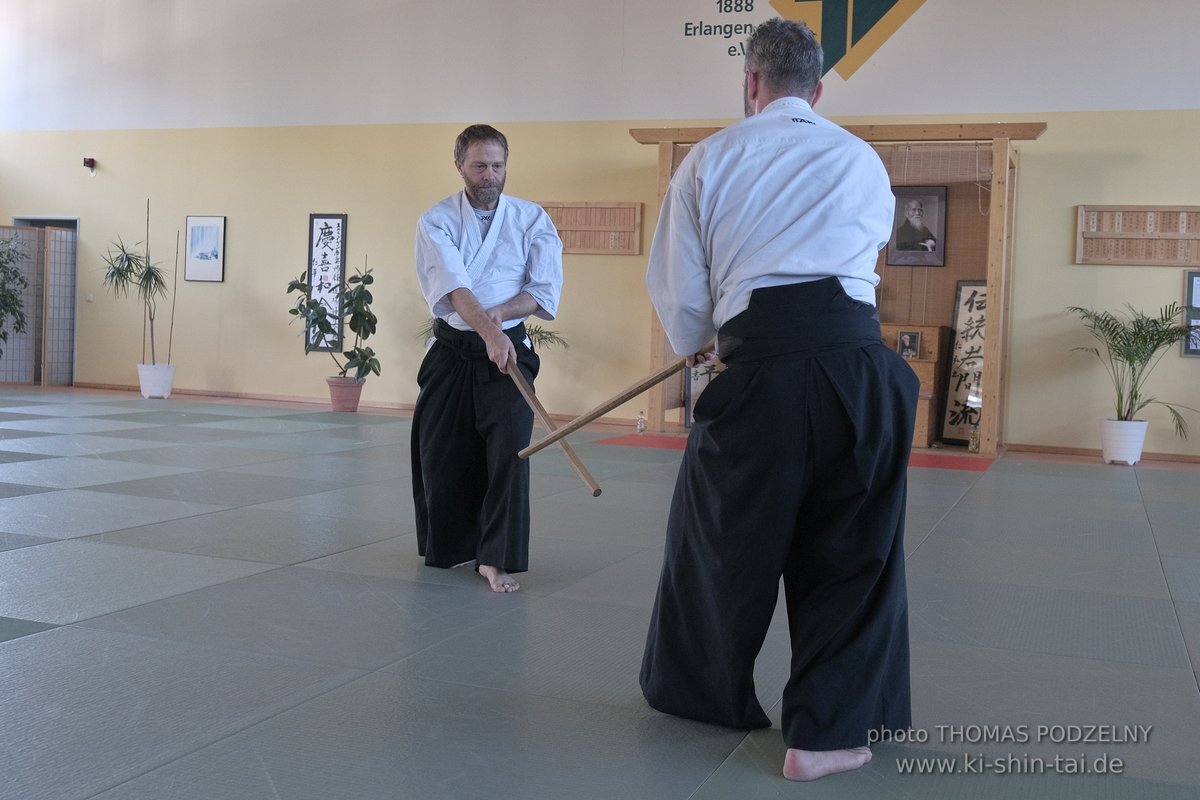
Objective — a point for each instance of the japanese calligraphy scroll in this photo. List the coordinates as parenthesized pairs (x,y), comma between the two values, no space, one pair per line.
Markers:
(964,389)
(327,273)
(1138,235)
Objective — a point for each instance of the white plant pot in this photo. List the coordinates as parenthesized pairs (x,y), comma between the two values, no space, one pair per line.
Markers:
(1121,440)
(156,379)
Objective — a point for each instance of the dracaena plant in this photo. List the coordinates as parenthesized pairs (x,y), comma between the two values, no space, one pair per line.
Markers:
(128,270)
(1131,345)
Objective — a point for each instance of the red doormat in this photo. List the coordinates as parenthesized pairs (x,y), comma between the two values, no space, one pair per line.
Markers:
(648,440)
(917,459)
(938,461)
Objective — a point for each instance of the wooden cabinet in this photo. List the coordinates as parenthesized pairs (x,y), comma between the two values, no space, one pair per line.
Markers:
(930,366)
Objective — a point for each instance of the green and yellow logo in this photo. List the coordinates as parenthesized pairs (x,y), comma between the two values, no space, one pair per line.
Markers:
(850,31)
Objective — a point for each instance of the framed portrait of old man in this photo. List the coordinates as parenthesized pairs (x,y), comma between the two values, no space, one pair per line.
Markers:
(919,228)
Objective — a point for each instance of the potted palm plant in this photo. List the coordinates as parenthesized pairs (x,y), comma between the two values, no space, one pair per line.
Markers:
(130,270)
(320,333)
(1131,345)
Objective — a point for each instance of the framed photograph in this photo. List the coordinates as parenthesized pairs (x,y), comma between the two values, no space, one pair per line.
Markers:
(908,344)
(327,273)
(1191,301)
(204,258)
(919,227)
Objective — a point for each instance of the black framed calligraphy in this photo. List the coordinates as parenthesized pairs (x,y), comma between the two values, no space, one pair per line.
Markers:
(964,388)
(327,274)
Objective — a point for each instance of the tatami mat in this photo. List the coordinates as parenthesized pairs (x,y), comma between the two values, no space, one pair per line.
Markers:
(206,599)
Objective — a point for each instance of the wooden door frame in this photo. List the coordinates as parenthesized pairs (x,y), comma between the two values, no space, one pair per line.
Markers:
(673,144)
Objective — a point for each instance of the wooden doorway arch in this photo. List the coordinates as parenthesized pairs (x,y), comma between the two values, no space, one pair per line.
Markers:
(674,143)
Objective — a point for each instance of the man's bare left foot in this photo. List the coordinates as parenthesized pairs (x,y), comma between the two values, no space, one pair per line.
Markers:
(808,765)
(499,580)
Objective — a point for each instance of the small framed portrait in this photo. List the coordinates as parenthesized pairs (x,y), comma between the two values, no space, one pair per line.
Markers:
(908,344)
(919,227)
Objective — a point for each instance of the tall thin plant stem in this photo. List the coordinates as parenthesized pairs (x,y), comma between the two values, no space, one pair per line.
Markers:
(149,299)
(174,295)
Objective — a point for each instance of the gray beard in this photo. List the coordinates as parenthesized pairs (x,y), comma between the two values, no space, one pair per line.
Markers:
(484,198)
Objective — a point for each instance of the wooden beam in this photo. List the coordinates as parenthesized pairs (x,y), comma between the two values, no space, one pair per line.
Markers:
(969,132)
(675,135)
(998,266)
(948,132)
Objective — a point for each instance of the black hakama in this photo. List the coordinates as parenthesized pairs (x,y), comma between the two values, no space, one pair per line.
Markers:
(796,467)
(470,490)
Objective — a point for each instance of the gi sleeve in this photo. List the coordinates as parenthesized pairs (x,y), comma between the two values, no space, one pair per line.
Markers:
(677,275)
(440,268)
(543,270)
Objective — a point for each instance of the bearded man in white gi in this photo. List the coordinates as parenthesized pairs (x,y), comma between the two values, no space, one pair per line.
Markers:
(796,464)
(485,262)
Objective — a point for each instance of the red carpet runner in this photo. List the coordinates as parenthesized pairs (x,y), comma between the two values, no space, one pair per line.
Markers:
(918,459)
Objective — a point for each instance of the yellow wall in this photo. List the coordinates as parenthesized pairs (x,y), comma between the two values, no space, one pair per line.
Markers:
(1134,158)
(234,337)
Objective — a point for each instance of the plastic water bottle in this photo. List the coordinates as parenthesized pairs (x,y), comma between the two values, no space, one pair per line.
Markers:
(641,422)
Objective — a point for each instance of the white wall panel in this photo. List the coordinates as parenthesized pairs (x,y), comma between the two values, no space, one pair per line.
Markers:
(101,64)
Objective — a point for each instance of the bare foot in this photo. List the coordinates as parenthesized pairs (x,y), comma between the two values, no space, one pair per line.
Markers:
(500,580)
(808,765)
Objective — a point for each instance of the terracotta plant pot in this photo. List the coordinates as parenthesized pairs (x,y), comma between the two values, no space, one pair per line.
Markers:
(344,393)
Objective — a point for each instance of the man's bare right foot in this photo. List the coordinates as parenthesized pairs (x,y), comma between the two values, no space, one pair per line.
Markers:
(808,765)
(499,580)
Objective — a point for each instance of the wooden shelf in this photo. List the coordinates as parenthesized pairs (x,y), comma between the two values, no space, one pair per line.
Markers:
(930,366)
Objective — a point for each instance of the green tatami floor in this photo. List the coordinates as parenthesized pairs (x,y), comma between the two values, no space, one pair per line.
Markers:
(209,600)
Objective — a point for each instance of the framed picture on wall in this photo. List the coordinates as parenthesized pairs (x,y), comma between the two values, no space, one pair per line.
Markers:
(919,227)
(327,274)
(1191,301)
(204,258)
(908,344)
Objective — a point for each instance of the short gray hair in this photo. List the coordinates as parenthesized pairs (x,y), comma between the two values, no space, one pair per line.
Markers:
(787,57)
(477,133)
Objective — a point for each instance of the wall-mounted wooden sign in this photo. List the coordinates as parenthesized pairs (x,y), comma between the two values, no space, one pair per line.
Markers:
(1166,236)
(613,229)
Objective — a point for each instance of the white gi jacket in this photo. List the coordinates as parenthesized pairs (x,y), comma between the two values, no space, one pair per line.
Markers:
(522,252)
(782,197)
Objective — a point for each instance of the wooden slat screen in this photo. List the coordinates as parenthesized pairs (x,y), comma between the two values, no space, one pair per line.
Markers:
(598,228)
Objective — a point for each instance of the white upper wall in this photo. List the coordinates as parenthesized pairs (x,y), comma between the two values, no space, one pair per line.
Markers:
(114,64)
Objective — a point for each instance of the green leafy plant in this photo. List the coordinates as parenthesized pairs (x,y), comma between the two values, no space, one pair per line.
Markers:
(129,270)
(1131,346)
(538,335)
(12,284)
(319,328)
